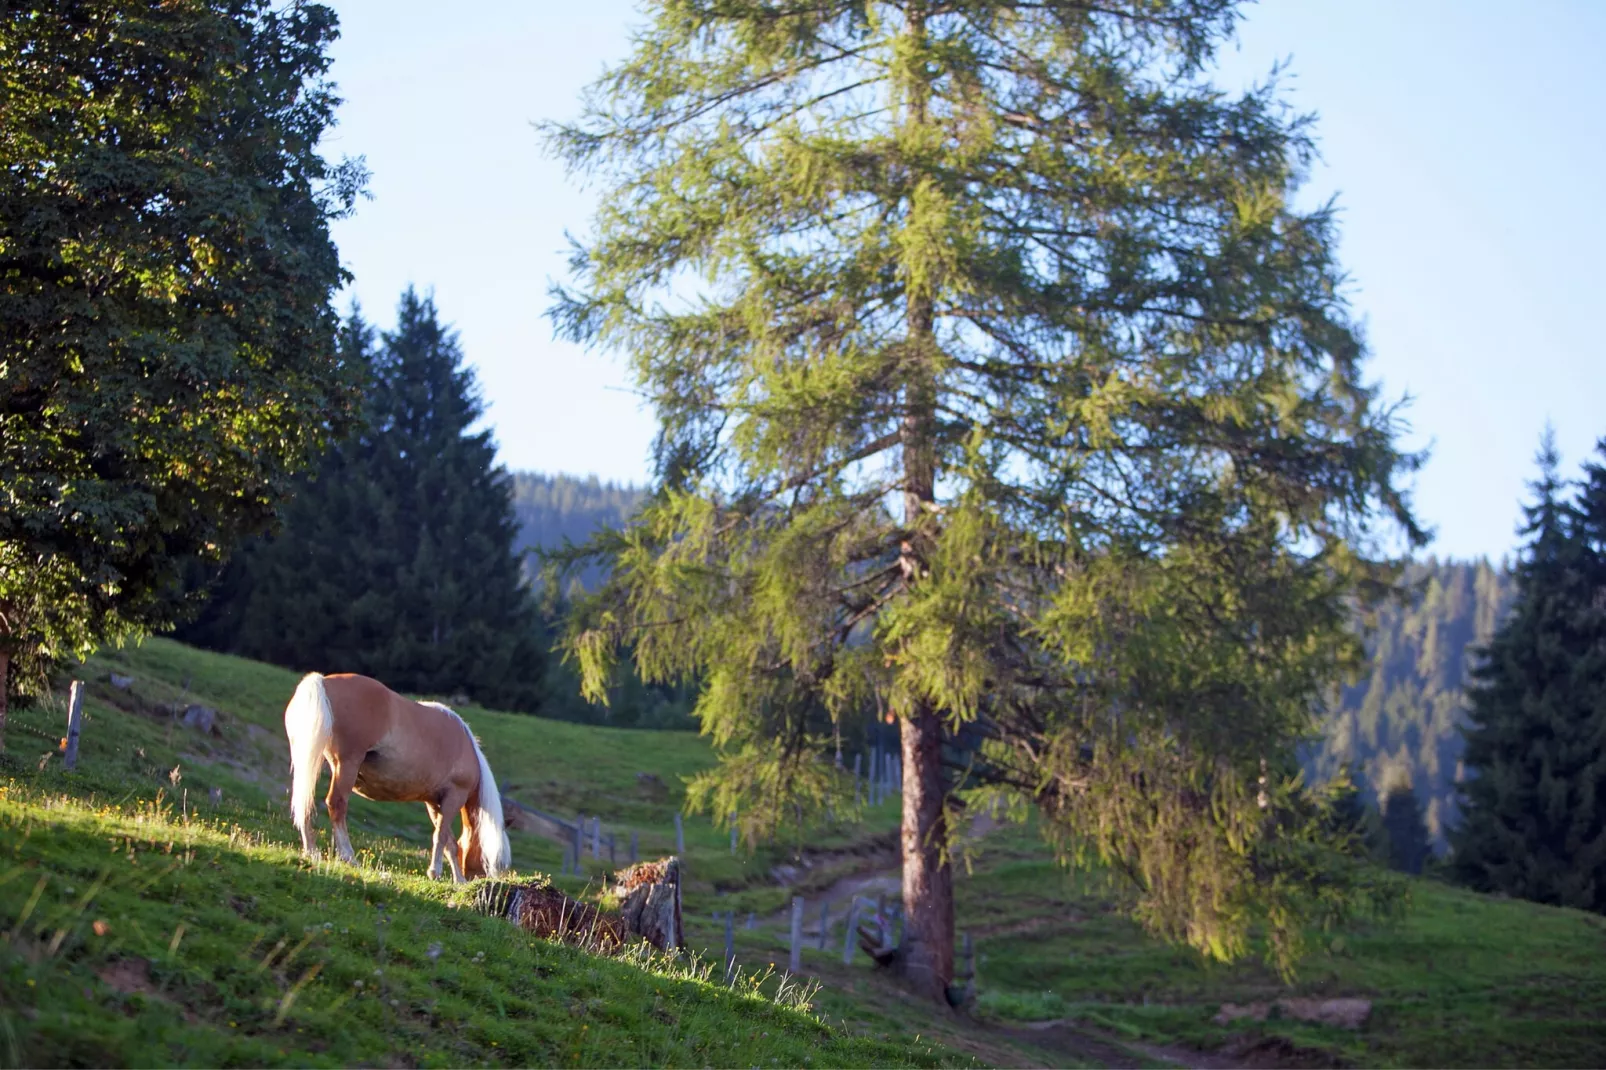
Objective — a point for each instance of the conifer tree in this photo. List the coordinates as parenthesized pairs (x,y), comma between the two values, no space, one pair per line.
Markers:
(1534,802)
(397,560)
(1404,828)
(1001,387)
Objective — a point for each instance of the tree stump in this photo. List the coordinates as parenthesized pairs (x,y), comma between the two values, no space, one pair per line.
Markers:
(650,902)
(649,909)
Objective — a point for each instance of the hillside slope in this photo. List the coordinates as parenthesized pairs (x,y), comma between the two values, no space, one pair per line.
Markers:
(1064,977)
(142,923)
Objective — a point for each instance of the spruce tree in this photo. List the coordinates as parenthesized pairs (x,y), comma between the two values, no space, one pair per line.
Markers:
(1404,828)
(1534,802)
(397,559)
(1001,387)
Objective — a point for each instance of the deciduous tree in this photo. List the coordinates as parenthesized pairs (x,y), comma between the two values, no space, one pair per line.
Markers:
(167,357)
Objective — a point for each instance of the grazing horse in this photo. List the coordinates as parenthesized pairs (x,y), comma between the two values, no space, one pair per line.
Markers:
(392,749)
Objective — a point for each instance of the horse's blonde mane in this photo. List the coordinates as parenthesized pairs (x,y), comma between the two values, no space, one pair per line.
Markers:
(489,826)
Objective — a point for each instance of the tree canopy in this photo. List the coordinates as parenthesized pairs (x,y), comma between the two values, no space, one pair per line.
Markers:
(396,558)
(1001,387)
(167,358)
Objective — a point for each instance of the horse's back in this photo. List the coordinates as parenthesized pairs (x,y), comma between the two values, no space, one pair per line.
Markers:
(408,748)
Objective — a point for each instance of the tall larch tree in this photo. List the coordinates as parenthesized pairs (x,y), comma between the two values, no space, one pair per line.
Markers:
(1534,797)
(167,358)
(1000,387)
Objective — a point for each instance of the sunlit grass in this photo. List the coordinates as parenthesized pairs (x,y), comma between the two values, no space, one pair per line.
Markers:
(142,923)
(1461,980)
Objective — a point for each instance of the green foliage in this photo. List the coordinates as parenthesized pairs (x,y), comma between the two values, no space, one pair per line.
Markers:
(166,270)
(396,560)
(1534,801)
(1000,385)
(1403,716)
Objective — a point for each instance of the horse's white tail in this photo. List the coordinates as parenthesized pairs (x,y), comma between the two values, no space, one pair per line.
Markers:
(489,827)
(494,844)
(308,722)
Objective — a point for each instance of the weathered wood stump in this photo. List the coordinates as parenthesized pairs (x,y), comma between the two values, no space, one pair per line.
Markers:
(649,909)
(875,940)
(649,902)
(543,910)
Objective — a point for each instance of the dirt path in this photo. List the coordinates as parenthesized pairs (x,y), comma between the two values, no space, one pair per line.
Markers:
(1078,1041)
(1054,1043)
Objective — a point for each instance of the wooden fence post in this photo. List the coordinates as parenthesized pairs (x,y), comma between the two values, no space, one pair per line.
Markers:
(75,721)
(795,963)
(680,838)
(970,968)
(853,923)
(730,945)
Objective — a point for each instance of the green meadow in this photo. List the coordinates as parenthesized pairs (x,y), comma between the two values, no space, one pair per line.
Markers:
(140,923)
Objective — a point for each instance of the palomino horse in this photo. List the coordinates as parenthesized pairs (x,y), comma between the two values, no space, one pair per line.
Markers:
(392,749)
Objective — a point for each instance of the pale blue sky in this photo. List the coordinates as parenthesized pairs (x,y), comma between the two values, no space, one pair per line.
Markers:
(1466,143)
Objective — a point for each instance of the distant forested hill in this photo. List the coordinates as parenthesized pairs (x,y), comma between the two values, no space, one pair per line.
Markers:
(1402,719)
(551,508)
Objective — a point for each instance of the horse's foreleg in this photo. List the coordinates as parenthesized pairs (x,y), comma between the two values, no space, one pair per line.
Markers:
(437,820)
(340,785)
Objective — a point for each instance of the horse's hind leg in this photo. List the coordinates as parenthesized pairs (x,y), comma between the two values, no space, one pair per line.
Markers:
(436,818)
(445,844)
(340,785)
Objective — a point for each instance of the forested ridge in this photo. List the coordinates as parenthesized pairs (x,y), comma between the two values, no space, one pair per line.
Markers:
(1399,722)
(554,508)
(1402,719)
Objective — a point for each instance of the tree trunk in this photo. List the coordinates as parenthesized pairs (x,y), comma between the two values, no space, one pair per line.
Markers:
(928,879)
(928,883)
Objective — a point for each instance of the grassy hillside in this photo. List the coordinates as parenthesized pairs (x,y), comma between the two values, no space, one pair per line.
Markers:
(141,924)
(1064,979)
